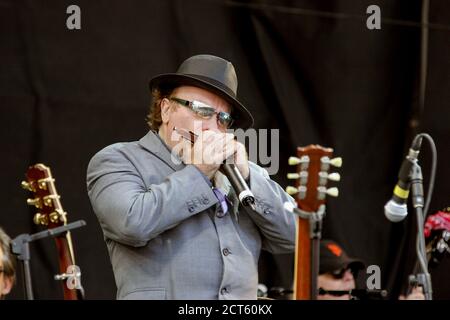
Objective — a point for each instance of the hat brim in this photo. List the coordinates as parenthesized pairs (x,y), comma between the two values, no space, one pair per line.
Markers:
(355,264)
(340,263)
(242,117)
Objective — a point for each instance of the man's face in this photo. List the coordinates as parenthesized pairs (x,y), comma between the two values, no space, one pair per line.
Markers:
(175,115)
(5,282)
(331,282)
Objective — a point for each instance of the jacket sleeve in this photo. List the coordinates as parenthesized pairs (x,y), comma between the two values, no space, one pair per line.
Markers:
(276,224)
(131,213)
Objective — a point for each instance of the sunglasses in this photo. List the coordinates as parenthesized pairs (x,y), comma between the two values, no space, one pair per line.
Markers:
(205,111)
(339,274)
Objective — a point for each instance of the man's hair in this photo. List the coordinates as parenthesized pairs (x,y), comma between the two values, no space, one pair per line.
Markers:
(154,115)
(9,261)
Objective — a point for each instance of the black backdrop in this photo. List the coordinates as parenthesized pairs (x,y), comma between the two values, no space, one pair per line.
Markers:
(65,94)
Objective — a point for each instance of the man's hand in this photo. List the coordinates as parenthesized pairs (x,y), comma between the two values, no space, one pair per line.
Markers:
(416,294)
(211,149)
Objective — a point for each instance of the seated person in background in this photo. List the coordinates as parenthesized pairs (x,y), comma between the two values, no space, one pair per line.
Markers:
(7,265)
(338,272)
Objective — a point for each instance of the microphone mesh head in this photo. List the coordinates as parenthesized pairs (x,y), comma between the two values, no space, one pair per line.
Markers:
(395,212)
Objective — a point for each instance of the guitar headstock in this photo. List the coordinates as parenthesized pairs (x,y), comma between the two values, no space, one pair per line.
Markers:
(313,165)
(41,184)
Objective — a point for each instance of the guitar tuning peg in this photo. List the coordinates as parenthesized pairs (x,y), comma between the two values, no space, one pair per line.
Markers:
(333,192)
(336,162)
(48,201)
(27,186)
(35,202)
(58,216)
(291,190)
(54,217)
(41,219)
(42,184)
(301,191)
(302,176)
(324,176)
(294,160)
(334,176)
(293,175)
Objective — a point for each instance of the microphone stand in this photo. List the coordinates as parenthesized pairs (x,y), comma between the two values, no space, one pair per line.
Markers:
(356,294)
(423,278)
(20,246)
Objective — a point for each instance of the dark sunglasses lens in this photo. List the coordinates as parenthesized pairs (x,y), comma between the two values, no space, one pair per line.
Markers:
(204,112)
(225,119)
(338,274)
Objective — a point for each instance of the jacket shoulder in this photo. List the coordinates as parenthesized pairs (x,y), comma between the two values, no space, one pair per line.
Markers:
(260,170)
(116,152)
(115,148)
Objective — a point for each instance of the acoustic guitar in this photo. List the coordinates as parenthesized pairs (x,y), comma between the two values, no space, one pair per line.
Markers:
(50,214)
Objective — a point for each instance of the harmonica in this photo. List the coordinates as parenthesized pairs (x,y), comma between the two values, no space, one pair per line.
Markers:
(186,134)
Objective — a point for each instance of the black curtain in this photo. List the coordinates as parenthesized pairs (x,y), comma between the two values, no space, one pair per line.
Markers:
(310,69)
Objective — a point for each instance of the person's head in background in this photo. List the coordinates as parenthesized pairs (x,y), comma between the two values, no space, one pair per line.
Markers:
(7,265)
(337,271)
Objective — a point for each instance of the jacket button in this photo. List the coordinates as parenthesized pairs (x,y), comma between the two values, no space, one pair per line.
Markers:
(205,201)
(224,290)
(266,211)
(191,209)
(220,214)
(226,251)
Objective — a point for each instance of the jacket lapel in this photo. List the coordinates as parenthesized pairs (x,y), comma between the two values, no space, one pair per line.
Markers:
(154,144)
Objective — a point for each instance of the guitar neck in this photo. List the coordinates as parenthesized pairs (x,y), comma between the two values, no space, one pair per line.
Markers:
(302,269)
(65,254)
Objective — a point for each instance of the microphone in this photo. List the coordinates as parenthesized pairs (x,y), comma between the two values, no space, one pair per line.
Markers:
(230,170)
(239,185)
(395,209)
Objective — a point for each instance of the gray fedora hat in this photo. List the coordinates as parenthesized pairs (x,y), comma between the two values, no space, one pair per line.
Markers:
(213,74)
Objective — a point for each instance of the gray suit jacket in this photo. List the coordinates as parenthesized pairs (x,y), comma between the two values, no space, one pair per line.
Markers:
(165,232)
